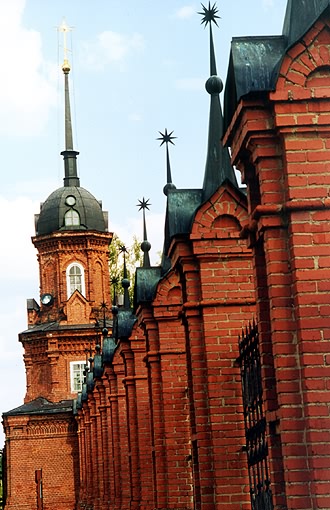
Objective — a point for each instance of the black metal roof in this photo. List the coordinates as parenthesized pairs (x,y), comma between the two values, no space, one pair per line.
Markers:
(41,406)
(57,326)
(146,280)
(300,16)
(53,210)
(252,65)
(255,61)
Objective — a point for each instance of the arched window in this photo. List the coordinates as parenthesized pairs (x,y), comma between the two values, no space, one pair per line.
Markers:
(71,218)
(75,279)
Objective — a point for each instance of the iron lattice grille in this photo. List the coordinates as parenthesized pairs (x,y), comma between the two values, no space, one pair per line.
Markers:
(255,422)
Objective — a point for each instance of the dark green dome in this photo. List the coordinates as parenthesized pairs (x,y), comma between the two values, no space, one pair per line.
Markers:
(71,208)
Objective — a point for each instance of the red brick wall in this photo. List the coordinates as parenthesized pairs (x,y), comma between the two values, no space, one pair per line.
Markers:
(48,354)
(43,442)
(56,251)
(47,360)
(47,443)
(172,396)
(289,231)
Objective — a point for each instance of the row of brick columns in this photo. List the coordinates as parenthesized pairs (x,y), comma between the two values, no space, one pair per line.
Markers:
(281,145)
(163,426)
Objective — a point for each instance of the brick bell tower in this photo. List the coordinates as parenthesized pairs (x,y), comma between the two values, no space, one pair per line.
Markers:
(73,248)
(72,241)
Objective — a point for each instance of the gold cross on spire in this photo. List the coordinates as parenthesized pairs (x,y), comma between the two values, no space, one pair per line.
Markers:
(65,29)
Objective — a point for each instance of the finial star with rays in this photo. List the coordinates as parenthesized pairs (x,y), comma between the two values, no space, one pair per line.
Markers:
(166,137)
(123,249)
(143,204)
(209,14)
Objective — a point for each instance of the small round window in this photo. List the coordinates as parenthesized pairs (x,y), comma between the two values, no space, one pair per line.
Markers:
(70,200)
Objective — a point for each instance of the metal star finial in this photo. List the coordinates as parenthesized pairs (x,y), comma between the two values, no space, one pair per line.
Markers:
(143,204)
(123,249)
(166,137)
(209,14)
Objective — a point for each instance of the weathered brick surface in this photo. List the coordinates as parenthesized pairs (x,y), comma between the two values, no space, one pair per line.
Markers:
(286,169)
(174,430)
(44,441)
(163,426)
(47,444)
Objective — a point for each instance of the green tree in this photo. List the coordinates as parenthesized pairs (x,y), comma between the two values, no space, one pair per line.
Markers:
(134,258)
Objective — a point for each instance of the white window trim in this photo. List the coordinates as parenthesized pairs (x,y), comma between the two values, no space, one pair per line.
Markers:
(83,290)
(72,364)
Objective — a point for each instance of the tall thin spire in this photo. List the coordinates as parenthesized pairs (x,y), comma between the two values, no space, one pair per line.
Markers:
(69,154)
(218,167)
(145,245)
(125,281)
(167,138)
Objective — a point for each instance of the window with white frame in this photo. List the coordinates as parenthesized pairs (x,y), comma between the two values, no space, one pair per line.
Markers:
(75,279)
(77,375)
(71,218)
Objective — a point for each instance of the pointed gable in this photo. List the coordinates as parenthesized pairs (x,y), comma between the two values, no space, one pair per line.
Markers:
(77,309)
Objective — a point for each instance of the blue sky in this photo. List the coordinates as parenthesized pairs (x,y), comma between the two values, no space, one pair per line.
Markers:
(138,67)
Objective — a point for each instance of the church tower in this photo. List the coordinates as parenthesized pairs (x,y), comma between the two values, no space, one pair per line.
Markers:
(72,241)
(73,245)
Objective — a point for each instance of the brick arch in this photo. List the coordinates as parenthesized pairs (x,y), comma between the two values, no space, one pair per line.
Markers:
(302,63)
(318,77)
(222,214)
(228,224)
(169,290)
(98,282)
(75,259)
(174,296)
(48,283)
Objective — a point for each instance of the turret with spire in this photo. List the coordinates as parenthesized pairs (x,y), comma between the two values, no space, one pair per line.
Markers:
(145,245)
(167,138)
(218,167)
(71,198)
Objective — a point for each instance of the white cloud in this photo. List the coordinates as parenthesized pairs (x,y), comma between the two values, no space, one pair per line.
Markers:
(110,47)
(18,263)
(18,277)
(26,90)
(185,12)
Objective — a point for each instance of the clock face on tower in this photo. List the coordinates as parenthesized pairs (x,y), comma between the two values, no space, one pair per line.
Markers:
(47,299)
